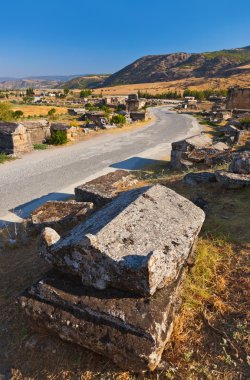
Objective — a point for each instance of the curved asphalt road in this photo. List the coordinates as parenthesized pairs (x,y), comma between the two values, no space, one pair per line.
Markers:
(53,174)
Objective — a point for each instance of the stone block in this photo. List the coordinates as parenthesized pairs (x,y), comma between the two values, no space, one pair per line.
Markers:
(60,214)
(138,242)
(240,163)
(130,331)
(199,178)
(102,189)
(232,180)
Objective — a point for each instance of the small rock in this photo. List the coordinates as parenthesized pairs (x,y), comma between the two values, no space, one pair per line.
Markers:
(240,163)
(199,178)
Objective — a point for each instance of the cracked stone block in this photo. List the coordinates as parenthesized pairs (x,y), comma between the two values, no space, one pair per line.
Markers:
(102,189)
(138,242)
(130,331)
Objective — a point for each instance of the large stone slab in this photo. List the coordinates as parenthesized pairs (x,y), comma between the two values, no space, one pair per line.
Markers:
(138,242)
(60,214)
(130,331)
(102,189)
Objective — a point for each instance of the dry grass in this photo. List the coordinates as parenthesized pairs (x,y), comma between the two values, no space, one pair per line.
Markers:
(34,110)
(242,79)
(209,340)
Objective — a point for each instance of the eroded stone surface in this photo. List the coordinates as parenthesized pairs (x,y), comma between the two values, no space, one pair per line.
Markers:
(138,242)
(188,149)
(130,331)
(200,177)
(240,163)
(59,214)
(233,180)
(102,189)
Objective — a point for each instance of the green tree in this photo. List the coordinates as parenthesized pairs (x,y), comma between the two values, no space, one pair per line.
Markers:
(30,91)
(6,112)
(85,93)
(66,91)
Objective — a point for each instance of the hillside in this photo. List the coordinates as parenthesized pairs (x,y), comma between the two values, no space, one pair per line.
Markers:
(242,79)
(24,83)
(176,66)
(88,81)
(50,81)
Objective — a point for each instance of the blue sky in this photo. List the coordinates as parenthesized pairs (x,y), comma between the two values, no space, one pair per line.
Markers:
(102,36)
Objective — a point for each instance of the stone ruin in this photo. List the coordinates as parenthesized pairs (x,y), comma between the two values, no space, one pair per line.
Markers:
(39,130)
(238,98)
(103,189)
(198,149)
(237,175)
(14,138)
(114,288)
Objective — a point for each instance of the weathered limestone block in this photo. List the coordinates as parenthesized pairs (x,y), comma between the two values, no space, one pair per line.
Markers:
(59,214)
(181,150)
(102,189)
(39,130)
(130,331)
(233,180)
(14,138)
(138,243)
(199,178)
(240,163)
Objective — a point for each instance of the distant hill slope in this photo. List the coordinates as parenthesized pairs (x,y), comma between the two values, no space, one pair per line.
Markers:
(169,67)
(17,84)
(87,81)
(51,81)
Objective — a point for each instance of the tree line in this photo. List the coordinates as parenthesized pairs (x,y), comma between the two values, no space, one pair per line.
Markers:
(198,94)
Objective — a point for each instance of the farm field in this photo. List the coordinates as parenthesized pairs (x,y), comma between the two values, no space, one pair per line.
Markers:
(34,110)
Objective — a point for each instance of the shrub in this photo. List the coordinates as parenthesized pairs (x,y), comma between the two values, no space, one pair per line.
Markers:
(4,157)
(58,137)
(40,146)
(17,114)
(85,93)
(245,122)
(118,119)
(52,112)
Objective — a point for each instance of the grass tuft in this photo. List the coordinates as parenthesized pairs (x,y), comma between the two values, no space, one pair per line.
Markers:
(40,146)
(5,157)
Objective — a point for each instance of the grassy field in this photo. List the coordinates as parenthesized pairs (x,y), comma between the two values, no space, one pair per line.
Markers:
(210,337)
(179,85)
(34,110)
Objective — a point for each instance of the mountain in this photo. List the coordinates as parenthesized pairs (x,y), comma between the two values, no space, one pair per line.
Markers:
(175,66)
(26,83)
(53,81)
(87,81)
